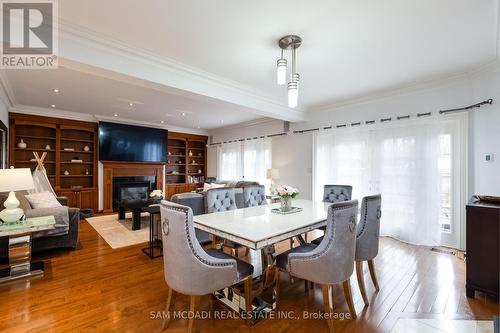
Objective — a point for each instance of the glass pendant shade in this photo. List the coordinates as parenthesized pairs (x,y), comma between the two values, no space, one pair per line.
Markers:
(281,71)
(293,94)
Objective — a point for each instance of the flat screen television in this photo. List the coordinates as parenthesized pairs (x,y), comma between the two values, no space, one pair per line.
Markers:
(119,142)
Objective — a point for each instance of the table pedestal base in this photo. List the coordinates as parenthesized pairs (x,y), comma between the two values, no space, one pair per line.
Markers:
(14,273)
(20,265)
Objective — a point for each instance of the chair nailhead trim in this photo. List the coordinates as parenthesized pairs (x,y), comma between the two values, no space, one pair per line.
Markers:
(206,262)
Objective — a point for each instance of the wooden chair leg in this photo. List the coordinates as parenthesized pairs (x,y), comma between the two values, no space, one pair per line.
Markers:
(327,303)
(166,320)
(248,295)
(361,280)
(195,301)
(371,268)
(291,243)
(277,287)
(348,298)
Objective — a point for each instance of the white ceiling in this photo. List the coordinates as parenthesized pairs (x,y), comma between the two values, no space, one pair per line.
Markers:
(350,49)
(103,97)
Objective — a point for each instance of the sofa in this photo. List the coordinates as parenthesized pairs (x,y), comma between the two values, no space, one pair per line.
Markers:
(67,240)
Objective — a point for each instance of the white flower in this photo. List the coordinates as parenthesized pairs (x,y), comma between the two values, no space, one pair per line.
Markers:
(156,193)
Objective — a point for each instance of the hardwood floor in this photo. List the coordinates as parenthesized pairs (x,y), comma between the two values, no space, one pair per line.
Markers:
(97,289)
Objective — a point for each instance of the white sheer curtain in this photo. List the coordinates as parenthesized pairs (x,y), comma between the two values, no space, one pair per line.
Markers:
(403,162)
(229,164)
(257,159)
(247,160)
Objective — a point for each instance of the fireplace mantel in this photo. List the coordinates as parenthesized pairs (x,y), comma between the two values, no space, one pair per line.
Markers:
(127,169)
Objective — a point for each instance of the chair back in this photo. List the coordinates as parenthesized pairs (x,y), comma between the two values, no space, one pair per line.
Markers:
(332,261)
(368,230)
(188,268)
(220,200)
(337,193)
(254,196)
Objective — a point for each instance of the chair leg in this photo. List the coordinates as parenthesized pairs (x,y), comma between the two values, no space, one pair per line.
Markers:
(195,301)
(348,298)
(248,295)
(371,268)
(327,303)
(291,243)
(361,280)
(277,287)
(166,320)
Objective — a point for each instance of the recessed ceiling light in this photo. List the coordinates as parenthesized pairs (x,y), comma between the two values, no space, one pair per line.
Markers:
(116,115)
(56,90)
(53,106)
(162,122)
(183,114)
(130,104)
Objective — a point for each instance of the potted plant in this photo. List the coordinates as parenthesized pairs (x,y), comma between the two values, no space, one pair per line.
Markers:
(156,196)
(286,194)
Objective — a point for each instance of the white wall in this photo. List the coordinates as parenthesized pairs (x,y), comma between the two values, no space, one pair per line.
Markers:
(485,135)
(292,154)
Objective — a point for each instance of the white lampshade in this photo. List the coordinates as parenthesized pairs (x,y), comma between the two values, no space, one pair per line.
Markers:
(16,180)
(273,174)
(293,94)
(281,72)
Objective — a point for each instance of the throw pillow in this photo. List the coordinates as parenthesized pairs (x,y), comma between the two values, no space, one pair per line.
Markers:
(207,187)
(44,199)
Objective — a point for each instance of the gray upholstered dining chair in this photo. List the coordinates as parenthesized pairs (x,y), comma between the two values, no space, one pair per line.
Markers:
(330,262)
(192,271)
(337,193)
(367,239)
(221,200)
(254,196)
(334,193)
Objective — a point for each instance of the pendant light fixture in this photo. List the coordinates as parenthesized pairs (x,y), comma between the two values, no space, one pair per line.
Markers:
(290,42)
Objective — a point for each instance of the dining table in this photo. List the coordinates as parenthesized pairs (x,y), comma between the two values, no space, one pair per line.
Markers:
(260,228)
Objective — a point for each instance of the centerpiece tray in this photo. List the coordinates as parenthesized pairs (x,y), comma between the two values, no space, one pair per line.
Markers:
(285,212)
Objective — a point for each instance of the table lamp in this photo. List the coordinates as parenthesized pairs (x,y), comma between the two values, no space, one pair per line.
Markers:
(14,180)
(273,174)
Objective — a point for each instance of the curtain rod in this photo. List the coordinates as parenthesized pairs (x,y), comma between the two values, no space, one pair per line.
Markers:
(367,122)
(477,105)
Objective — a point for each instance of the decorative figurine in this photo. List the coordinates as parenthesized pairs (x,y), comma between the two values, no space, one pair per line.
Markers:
(66,172)
(47,147)
(190,153)
(86,148)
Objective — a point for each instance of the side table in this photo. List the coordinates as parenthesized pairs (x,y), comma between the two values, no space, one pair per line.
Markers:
(154,243)
(20,236)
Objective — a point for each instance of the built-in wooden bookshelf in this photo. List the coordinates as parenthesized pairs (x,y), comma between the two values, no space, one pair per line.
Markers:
(71,160)
(186,162)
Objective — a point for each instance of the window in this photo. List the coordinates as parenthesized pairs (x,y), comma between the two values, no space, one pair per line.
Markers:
(410,163)
(247,160)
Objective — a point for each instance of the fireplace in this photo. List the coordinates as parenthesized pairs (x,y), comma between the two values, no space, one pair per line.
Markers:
(132,189)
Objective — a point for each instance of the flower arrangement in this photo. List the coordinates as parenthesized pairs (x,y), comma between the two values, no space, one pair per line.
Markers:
(156,194)
(285,190)
(286,194)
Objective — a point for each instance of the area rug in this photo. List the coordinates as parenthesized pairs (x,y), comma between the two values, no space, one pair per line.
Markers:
(119,233)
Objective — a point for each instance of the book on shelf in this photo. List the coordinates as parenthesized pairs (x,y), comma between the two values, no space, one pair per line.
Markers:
(76,161)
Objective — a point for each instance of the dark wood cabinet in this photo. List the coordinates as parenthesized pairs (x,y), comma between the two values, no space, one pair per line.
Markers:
(186,166)
(71,148)
(482,249)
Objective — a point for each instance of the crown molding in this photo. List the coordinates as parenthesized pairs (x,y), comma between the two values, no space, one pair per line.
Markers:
(83,45)
(58,113)
(412,87)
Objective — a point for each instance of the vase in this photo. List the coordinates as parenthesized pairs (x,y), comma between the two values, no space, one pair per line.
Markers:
(21,144)
(286,203)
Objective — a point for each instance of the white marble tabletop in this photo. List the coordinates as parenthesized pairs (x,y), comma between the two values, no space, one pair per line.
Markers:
(257,227)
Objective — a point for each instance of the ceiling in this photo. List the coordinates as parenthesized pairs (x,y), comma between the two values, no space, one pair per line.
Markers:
(350,49)
(103,97)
